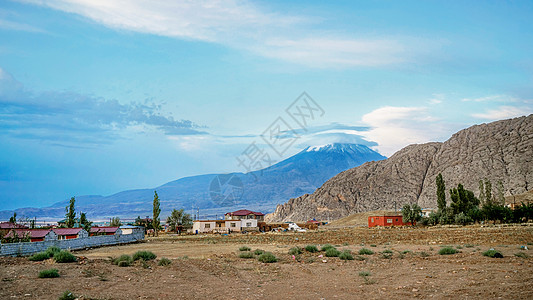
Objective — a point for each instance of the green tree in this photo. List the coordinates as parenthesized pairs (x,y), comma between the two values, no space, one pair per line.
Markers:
(156,211)
(115,222)
(179,217)
(85,223)
(463,200)
(70,213)
(412,213)
(482,192)
(488,191)
(13,219)
(441,192)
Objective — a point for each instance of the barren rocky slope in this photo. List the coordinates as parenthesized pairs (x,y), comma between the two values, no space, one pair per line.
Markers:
(501,150)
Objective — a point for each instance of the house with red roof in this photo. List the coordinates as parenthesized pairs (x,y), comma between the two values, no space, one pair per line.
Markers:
(105,230)
(35,235)
(244,214)
(70,233)
(5,227)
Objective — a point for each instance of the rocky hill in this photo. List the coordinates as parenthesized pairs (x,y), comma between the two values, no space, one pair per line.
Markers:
(501,150)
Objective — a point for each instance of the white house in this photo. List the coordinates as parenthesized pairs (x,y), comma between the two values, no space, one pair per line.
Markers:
(222,226)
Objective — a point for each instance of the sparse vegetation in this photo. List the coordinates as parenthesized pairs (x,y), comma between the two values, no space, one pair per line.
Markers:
(387,251)
(50,273)
(267,257)
(64,257)
(373,245)
(295,251)
(365,251)
(39,256)
(493,253)
(332,252)
(346,255)
(144,255)
(52,251)
(311,248)
(258,251)
(123,261)
(521,255)
(447,251)
(386,254)
(67,295)
(326,247)
(246,254)
(244,248)
(360,258)
(365,275)
(424,254)
(164,262)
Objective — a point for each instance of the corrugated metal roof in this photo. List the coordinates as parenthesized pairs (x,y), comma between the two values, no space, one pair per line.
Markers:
(244,212)
(34,233)
(103,229)
(67,231)
(9,225)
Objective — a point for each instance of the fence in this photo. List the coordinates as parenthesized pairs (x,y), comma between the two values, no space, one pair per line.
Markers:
(28,248)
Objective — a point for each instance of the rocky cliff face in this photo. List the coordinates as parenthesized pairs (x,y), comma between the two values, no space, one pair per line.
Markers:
(501,150)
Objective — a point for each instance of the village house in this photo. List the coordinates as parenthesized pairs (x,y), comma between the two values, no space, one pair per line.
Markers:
(35,235)
(70,233)
(216,226)
(245,214)
(374,221)
(5,227)
(107,230)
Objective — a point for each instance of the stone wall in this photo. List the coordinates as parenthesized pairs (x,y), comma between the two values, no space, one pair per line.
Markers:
(22,249)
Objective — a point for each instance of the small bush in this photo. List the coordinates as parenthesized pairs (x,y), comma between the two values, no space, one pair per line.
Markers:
(259,251)
(267,257)
(244,248)
(52,251)
(123,258)
(447,251)
(365,251)
(386,255)
(39,256)
(164,262)
(521,254)
(493,253)
(469,246)
(387,251)
(246,254)
(326,247)
(124,263)
(406,251)
(311,248)
(360,258)
(50,273)
(373,245)
(332,252)
(144,255)
(67,295)
(346,255)
(64,257)
(424,254)
(295,251)
(364,273)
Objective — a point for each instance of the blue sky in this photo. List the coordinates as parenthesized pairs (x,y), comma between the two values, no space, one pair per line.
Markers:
(102,96)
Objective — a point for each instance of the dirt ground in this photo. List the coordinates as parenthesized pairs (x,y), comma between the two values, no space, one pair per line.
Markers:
(208,267)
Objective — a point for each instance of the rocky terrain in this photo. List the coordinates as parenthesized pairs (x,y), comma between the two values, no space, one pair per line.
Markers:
(498,151)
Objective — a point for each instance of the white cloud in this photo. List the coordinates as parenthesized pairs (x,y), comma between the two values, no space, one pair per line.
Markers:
(504,112)
(492,98)
(396,127)
(10,25)
(241,25)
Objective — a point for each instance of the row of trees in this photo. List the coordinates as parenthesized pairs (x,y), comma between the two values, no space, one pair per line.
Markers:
(466,208)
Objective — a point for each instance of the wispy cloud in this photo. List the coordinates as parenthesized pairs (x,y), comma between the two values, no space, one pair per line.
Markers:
(491,98)
(243,26)
(11,25)
(504,112)
(70,117)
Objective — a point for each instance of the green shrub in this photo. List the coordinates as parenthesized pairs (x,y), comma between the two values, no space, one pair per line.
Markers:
(67,295)
(39,256)
(124,257)
(459,247)
(164,262)
(364,273)
(365,251)
(244,248)
(493,253)
(326,247)
(360,258)
(386,255)
(387,251)
(50,273)
(259,251)
(424,254)
(64,257)
(373,245)
(124,263)
(246,254)
(346,255)
(447,251)
(295,251)
(332,252)
(521,254)
(311,248)
(144,255)
(406,251)
(267,257)
(52,251)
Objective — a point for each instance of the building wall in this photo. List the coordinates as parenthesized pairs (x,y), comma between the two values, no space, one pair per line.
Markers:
(201,227)
(236,227)
(249,224)
(21,249)
(385,221)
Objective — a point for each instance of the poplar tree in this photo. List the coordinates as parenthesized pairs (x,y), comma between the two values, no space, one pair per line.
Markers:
(441,193)
(157,211)
(70,213)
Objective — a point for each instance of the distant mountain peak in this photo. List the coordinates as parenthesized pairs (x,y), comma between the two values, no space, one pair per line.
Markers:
(339,147)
